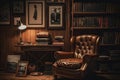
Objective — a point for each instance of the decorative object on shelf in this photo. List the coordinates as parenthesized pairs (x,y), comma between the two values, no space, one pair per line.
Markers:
(4,13)
(18,7)
(56,16)
(22,68)
(35,13)
(21,28)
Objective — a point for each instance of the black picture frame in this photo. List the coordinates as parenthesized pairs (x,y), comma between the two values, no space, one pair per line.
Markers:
(18,7)
(22,68)
(56,16)
(5,13)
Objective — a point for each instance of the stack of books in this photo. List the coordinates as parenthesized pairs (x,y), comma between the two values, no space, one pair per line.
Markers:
(59,40)
(43,38)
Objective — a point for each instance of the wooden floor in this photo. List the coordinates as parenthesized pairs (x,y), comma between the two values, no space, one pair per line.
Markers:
(11,76)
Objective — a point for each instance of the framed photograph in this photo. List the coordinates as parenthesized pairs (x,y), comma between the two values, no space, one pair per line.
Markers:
(22,68)
(16,21)
(35,13)
(18,7)
(4,13)
(56,16)
(12,61)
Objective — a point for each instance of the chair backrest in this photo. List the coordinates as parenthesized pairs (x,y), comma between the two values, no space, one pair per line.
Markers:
(85,44)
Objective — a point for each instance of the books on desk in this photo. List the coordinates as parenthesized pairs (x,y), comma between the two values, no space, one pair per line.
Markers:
(43,38)
(42,34)
(58,40)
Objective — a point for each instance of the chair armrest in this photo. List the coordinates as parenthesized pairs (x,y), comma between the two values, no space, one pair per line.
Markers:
(63,55)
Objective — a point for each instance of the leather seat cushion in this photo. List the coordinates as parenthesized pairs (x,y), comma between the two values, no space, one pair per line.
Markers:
(71,63)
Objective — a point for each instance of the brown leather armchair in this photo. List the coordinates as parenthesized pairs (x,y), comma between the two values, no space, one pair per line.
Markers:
(78,62)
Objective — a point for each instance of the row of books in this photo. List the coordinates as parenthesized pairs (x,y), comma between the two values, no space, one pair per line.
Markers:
(96,21)
(95,7)
(111,38)
(89,7)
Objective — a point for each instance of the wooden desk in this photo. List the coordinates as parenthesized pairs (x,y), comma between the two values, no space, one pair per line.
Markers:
(38,47)
(39,53)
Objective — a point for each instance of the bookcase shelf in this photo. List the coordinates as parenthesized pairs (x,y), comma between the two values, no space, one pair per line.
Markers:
(77,14)
(99,29)
(114,45)
(87,13)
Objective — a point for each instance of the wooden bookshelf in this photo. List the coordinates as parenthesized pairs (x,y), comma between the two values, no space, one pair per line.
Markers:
(95,16)
(100,17)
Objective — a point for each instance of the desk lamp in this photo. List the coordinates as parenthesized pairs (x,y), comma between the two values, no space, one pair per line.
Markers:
(21,28)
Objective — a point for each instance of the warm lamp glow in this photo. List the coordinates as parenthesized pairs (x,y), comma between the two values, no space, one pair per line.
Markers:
(22,27)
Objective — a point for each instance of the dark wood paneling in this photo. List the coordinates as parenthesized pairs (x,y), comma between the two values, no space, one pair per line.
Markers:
(9,36)
(3,48)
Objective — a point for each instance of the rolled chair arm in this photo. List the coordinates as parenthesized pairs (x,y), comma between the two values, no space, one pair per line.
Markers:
(63,54)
